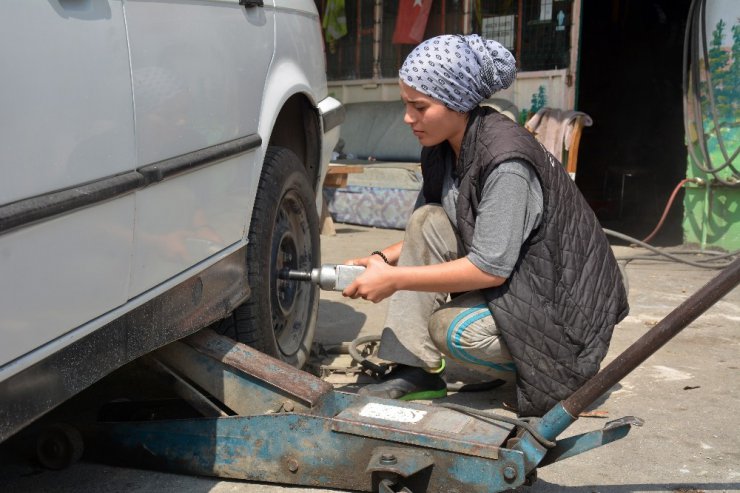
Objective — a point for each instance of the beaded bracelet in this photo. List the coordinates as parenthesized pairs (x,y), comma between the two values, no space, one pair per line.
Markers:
(382,255)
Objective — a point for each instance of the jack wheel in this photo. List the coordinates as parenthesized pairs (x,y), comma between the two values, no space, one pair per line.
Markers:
(59,446)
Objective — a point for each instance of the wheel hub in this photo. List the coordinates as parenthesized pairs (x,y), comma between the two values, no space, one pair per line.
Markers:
(287,258)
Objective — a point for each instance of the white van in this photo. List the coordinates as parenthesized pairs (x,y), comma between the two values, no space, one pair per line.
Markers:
(161,162)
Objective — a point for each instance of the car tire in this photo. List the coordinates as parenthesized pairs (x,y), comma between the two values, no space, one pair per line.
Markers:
(279,318)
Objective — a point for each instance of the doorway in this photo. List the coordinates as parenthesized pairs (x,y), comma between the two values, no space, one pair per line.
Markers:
(630,77)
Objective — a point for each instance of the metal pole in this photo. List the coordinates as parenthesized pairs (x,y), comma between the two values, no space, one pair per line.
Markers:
(575,50)
(358,41)
(467,22)
(519,36)
(377,38)
(648,344)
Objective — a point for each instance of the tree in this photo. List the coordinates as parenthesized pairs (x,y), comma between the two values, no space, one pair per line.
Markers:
(722,71)
(539,100)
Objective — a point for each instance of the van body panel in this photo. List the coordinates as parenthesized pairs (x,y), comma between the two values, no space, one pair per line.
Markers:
(193,88)
(67,120)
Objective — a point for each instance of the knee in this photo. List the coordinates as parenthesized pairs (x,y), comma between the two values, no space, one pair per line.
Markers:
(467,314)
(438,330)
(457,331)
(426,217)
(450,336)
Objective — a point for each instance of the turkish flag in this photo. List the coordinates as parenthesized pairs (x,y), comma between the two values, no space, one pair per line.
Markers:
(412,21)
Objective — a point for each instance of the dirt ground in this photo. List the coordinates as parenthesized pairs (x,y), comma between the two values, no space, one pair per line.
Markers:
(688,394)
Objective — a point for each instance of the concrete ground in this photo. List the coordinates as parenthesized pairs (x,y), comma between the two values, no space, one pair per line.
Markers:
(688,393)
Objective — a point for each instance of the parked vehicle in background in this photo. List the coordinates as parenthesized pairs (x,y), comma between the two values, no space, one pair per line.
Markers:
(161,162)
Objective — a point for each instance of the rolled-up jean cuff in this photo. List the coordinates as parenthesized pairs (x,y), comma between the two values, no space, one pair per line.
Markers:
(391,349)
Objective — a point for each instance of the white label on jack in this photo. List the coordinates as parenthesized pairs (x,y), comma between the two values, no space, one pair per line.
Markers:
(392,413)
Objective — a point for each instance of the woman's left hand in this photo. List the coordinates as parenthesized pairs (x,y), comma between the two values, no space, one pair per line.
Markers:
(375,284)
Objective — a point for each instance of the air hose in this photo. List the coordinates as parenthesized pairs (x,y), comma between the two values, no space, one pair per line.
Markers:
(667,208)
(521,422)
(706,263)
(376,370)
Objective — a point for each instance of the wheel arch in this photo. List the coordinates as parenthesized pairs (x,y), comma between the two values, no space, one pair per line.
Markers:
(297,127)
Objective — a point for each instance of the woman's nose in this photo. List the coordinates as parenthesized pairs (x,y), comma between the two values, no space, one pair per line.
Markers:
(407,118)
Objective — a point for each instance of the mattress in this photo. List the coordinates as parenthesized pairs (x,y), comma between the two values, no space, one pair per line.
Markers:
(382,196)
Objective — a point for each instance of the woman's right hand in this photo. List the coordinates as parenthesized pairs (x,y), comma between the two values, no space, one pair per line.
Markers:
(375,284)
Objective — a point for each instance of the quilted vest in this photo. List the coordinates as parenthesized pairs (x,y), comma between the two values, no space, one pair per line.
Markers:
(558,308)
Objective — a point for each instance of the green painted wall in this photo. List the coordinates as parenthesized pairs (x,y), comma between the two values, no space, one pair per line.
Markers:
(715,226)
(712,213)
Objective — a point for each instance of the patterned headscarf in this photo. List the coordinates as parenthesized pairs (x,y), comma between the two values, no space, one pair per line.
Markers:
(460,71)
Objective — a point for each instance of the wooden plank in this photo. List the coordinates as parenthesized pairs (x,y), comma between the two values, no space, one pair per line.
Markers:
(344,168)
(327,223)
(336,177)
(336,180)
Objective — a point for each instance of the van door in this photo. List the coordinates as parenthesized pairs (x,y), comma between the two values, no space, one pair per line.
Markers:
(68,156)
(199,70)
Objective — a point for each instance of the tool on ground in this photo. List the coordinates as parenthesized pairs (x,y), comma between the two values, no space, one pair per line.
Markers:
(329,277)
(263,420)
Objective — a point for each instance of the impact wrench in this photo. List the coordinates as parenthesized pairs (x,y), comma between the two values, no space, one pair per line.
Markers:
(329,277)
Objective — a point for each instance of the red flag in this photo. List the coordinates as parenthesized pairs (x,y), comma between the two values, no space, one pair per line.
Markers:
(412,21)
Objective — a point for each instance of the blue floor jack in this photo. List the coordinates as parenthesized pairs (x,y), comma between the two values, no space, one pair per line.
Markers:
(263,420)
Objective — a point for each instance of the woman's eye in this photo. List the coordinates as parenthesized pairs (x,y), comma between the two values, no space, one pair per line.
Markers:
(420,108)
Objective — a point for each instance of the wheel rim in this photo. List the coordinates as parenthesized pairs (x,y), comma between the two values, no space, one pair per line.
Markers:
(292,249)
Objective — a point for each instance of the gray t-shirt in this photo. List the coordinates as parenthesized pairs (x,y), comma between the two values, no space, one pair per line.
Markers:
(510,208)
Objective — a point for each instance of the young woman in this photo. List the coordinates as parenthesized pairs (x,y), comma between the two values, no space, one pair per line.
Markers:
(502,228)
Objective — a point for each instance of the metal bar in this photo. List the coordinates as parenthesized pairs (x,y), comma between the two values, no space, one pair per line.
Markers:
(519,36)
(236,392)
(575,54)
(190,394)
(648,344)
(358,41)
(271,371)
(377,37)
(467,18)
